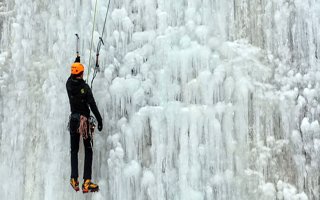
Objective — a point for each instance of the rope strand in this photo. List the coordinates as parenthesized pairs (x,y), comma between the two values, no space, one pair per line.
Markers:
(105,20)
(83,127)
(94,21)
(99,46)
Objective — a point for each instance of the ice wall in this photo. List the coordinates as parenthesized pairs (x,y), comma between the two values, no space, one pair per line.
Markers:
(200,99)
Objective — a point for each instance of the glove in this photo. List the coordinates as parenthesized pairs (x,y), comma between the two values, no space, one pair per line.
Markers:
(77,59)
(100,126)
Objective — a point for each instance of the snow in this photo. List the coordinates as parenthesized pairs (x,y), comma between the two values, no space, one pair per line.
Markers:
(200,99)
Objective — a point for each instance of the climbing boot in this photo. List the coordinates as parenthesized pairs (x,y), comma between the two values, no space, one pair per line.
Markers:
(75,184)
(88,186)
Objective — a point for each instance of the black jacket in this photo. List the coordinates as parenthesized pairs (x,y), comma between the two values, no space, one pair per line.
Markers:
(80,98)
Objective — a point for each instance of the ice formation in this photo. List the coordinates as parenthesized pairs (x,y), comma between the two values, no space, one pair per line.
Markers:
(201,99)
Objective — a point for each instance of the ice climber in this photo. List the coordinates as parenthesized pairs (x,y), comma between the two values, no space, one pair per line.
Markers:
(80,98)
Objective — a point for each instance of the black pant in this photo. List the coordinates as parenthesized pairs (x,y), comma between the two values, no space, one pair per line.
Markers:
(74,141)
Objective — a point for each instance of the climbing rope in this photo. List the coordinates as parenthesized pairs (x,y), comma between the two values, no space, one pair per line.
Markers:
(96,69)
(105,19)
(83,127)
(94,21)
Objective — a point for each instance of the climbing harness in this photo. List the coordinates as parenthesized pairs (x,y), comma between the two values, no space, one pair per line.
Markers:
(83,126)
(96,68)
(80,124)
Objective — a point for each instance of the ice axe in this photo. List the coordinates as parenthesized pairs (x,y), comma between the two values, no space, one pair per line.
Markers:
(98,52)
(77,44)
(96,68)
(77,48)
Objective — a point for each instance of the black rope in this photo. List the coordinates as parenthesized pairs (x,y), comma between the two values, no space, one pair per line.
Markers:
(96,68)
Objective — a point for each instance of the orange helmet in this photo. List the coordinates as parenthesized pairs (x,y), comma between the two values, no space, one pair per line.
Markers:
(77,68)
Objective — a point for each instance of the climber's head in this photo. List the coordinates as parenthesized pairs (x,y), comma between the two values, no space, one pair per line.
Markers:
(77,69)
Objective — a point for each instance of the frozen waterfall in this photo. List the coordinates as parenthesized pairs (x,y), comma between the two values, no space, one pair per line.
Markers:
(201,99)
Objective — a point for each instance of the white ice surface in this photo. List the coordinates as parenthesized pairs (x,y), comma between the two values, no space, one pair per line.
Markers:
(200,99)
